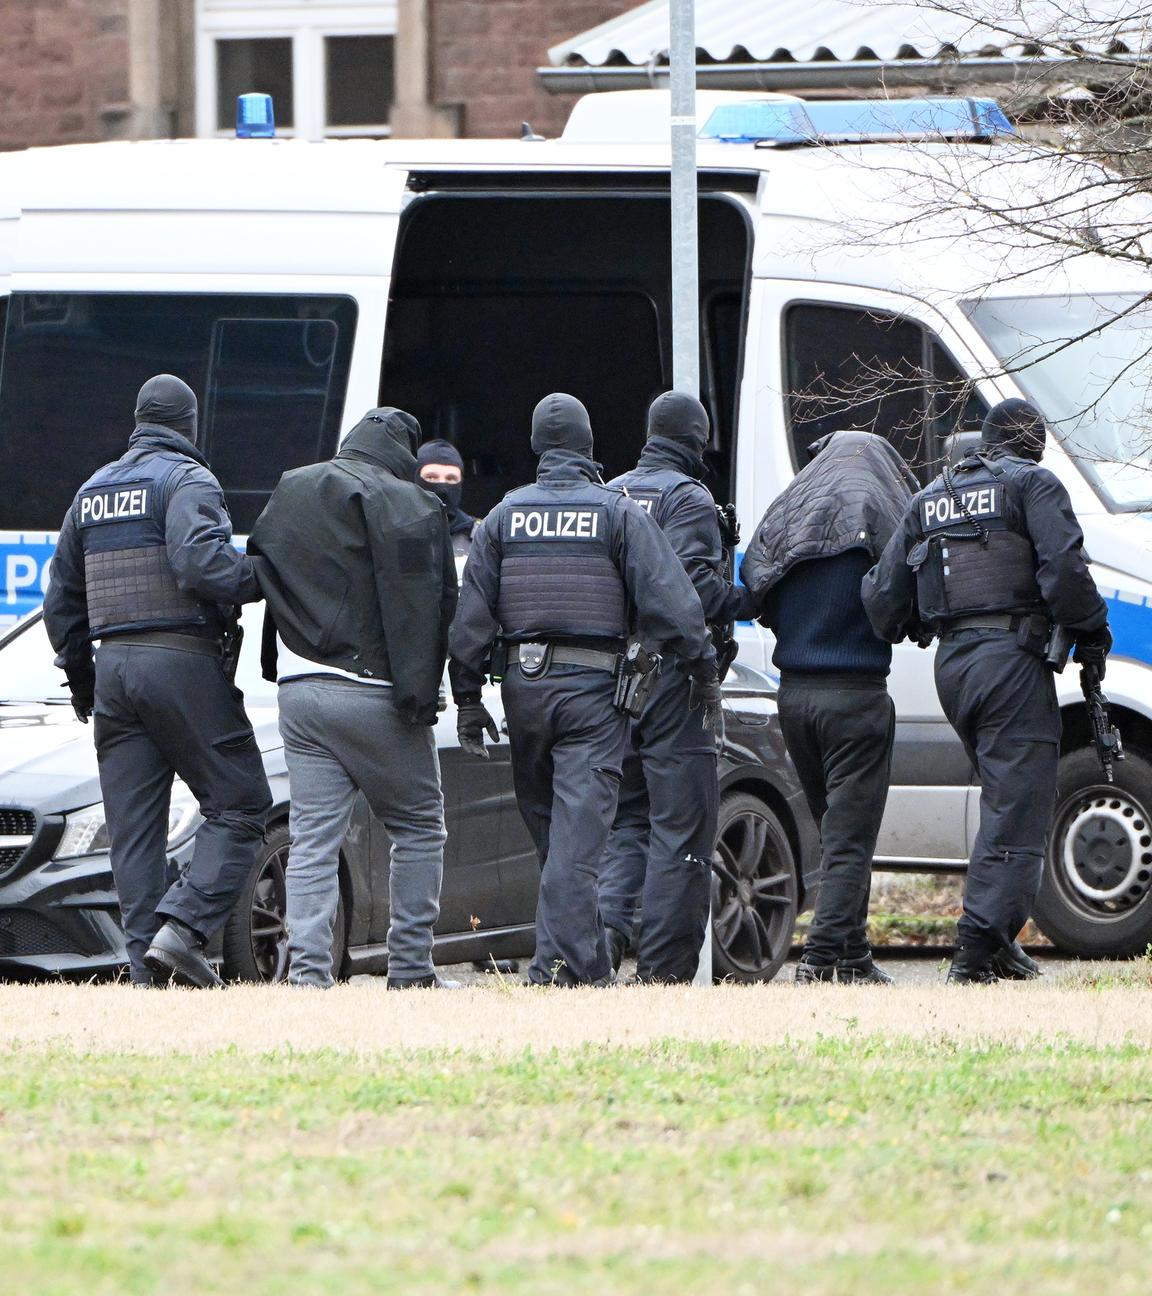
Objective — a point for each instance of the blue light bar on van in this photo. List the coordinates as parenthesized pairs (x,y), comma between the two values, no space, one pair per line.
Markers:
(255,117)
(759,121)
(772,122)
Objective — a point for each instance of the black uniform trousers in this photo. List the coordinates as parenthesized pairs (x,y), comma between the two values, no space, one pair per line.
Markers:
(160,712)
(1001,701)
(568,743)
(839,731)
(660,849)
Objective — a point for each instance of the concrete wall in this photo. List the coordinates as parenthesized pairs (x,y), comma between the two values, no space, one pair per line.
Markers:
(63,70)
(485,53)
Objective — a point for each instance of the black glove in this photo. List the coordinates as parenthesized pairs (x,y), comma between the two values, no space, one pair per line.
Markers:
(83,697)
(472,721)
(1093,649)
(708,694)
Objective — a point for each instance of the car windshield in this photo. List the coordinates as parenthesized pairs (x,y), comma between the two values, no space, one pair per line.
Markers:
(28,675)
(1086,362)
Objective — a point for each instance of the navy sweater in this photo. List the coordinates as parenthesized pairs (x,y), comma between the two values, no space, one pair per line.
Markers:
(818,618)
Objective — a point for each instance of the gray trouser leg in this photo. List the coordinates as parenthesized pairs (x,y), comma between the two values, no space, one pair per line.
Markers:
(1002,703)
(340,737)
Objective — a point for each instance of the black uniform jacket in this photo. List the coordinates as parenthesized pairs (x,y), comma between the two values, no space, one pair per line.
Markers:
(356,563)
(687,516)
(665,611)
(198,540)
(1067,587)
(853,495)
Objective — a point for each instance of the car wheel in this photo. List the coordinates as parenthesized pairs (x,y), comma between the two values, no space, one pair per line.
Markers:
(255,938)
(1095,896)
(754,892)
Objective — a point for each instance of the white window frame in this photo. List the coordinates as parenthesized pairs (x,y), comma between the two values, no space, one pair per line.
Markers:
(306,23)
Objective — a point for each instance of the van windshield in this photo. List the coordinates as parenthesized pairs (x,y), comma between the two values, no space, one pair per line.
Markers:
(1086,362)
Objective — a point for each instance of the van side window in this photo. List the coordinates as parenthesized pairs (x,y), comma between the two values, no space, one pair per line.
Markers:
(851,368)
(270,373)
(854,369)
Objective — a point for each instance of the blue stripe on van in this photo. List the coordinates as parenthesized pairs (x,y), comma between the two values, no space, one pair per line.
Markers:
(1130,620)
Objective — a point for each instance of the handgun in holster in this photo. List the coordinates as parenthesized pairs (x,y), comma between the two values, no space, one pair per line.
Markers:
(1058,647)
(636,677)
(230,645)
(498,662)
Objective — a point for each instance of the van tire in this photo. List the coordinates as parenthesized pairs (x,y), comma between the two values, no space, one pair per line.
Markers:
(255,943)
(754,892)
(1101,843)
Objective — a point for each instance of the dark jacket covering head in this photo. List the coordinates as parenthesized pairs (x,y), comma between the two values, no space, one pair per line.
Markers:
(560,422)
(1017,427)
(356,565)
(853,495)
(168,401)
(678,417)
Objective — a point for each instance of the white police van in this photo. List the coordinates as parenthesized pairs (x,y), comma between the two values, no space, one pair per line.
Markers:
(849,277)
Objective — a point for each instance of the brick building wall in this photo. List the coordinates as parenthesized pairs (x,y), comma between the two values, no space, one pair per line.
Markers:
(63,70)
(485,53)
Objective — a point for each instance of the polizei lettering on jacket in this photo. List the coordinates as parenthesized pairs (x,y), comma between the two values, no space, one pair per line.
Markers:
(554,523)
(943,510)
(115,504)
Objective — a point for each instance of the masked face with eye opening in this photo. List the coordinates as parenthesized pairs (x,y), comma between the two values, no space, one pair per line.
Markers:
(440,471)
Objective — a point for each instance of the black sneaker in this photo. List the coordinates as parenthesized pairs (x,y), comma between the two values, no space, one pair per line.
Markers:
(971,967)
(429,982)
(862,971)
(178,952)
(808,973)
(1012,964)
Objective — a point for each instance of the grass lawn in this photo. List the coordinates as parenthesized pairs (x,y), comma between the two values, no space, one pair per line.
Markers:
(853,1161)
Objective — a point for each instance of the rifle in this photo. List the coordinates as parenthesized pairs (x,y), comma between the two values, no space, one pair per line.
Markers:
(1105,735)
(724,636)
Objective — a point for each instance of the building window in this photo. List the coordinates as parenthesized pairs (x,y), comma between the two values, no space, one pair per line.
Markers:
(263,65)
(358,81)
(328,64)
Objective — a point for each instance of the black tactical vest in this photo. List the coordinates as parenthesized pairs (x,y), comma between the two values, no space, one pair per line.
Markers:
(128,579)
(977,556)
(651,488)
(557,577)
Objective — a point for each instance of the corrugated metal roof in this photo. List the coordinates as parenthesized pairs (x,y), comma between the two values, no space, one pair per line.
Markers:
(773,31)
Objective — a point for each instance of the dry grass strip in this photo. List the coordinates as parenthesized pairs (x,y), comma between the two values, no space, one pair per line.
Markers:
(505,1019)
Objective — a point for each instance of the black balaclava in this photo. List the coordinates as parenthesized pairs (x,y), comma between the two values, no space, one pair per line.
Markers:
(560,422)
(679,417)
(1017,427)
(169,402)
(441,452)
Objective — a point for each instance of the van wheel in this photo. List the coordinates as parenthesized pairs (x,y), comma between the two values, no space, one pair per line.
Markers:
(1095,897)
(255,944)
(754,892)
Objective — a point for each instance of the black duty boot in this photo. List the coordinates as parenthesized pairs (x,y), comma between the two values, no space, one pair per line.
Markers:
(861,971)
(177,951)
(617,944)
(1012,964)
(809,972)
(429,982)
(971,966)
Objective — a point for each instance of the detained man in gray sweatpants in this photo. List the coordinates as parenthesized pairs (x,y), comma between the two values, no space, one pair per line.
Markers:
(356,564)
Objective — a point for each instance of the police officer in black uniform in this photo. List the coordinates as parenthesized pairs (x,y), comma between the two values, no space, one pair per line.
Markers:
(564,571)
(145,566)
(665,830)
(989,559)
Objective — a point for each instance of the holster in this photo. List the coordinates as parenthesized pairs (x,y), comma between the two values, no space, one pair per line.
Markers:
(1034,634)
(535,659)
(498,663)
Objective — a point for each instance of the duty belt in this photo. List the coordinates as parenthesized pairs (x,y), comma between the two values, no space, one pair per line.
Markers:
(167,639)
(530,657)
(1003,621)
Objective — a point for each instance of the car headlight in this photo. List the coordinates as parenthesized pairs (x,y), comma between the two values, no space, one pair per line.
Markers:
(86,830)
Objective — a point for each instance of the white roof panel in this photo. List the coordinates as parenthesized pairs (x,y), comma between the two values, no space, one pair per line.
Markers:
(802,30)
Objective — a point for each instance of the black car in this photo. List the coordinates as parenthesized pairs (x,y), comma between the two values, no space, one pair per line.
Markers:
(58,911)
